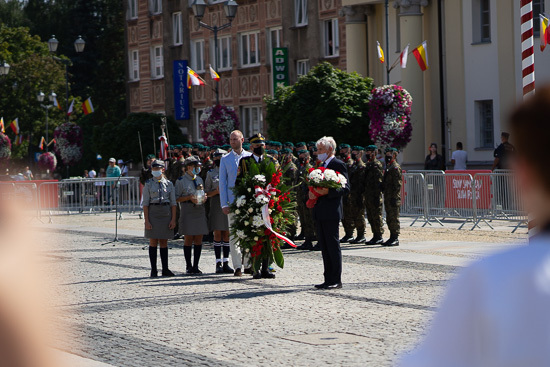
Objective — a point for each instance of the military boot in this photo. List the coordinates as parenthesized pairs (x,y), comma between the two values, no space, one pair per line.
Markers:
(393,241)
(346,238)
(376,240)
(358,239)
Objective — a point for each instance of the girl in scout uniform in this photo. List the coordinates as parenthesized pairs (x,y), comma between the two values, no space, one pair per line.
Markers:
(217,220)
(159,210)
(192,223)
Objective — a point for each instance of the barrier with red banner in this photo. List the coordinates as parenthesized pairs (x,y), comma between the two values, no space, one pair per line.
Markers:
(458,190)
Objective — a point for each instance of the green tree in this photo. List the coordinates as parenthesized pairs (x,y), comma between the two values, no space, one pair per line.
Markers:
(32,70)
(326,101)
(12,14)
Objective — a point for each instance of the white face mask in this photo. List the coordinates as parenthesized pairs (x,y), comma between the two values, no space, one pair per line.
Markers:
(156,174)
(322,157)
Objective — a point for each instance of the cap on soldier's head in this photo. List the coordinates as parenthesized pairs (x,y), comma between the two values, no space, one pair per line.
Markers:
(300,144)
(192,160)
(157,163)
(204,148)
(276,144)
(219,153)
(311,144)
(214,147)
(246,146)
(226,147)
(358,148)
(303,151)
(257,139)
(177,146)
(196,145)
(344,146)
(186,146)
(150,156)
(272,152)
(285,151)
(390,149)
(289,144)
(171,147)
(372,148)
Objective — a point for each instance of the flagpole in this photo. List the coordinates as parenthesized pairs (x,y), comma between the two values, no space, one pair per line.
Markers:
(387,42)
(154,140)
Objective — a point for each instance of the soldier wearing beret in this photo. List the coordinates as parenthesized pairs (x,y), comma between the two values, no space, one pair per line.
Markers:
(304,213)
(373,194)
(393,180)
(347,220)
(290,173)
(356,197)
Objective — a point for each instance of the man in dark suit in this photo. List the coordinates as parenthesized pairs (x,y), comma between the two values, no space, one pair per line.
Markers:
(327,214)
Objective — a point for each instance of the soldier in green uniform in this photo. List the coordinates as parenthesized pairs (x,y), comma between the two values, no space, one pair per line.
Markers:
(373,194)
(393,180)
(290,173)
(257,143)
(356,196)
(304,213)
(146,169)
(347,220)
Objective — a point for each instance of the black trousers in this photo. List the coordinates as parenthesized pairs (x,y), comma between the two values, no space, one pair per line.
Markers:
(328,237)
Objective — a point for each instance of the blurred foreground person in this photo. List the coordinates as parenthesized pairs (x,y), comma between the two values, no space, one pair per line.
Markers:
(496,311)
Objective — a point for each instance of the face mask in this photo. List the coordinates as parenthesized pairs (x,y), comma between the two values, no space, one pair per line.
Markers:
(353,156)
(156,174)
(389,159)
(322,157)
(217,163)
(196,171)
(259,150)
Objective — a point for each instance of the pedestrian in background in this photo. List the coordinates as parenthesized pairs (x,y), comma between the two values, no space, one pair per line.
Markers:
(192,222)
(503,153)
(495,312)
(434,161)
(459,158)
(159,211)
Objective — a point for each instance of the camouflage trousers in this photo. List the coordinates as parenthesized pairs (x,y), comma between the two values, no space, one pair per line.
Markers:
(354,217)
(306,220)
(374,215)
(392,216)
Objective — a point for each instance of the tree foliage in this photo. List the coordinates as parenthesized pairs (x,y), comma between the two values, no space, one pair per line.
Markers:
(326,101)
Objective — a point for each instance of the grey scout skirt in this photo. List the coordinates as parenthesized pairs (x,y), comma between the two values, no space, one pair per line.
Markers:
(160,217)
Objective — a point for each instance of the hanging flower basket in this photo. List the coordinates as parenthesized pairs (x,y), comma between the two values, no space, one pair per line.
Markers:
(217,123)
(5,147)
(47,161)
(68,143)
(390,116)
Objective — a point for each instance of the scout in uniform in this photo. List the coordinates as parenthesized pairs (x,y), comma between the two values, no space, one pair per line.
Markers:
(393,180)
(218,222)
(159,210)
(373,194)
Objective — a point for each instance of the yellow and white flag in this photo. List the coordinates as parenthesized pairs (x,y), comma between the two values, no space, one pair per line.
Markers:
(380,53)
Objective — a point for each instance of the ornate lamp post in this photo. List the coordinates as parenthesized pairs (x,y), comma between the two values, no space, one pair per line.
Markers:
(79,47)
(4,68)
(230,9)
(40,97)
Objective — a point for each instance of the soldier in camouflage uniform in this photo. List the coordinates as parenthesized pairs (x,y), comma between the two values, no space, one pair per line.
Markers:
(356,196)
(290,172)
(393,180)
(304,213)
(373,195)
(347,220)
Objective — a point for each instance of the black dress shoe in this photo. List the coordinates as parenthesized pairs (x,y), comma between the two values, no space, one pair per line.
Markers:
(392,242)
(320,286)
(227,269)
(285,246)
(257,275)
(219,268)
(307,245)
(248,271)
(345,239)
(154,274)
(177,236)
(196,271)
(359,239)
(300,237)
(167,273)
(267,275)
(376,240)
(317,247)
(334,286)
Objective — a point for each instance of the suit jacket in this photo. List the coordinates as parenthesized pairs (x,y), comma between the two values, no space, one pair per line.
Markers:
(229,166)
(329,207)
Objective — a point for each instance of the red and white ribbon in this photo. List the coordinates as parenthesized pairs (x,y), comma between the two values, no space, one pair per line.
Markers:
(268,192)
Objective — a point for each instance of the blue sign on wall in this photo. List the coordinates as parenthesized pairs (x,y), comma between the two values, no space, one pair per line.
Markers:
(181,91)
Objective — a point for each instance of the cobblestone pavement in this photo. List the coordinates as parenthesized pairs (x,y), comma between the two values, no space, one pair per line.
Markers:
(113,313)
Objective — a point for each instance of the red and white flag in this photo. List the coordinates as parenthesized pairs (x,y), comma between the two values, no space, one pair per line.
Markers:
(405,57)
(163,147)
(71,107)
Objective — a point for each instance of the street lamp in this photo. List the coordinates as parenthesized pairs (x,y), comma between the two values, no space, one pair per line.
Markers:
(4,68)
(79,47)
(230,9)
(40,97)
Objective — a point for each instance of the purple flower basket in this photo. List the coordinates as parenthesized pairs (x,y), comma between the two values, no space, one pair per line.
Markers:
(68,143)
(5,147)
(217,123)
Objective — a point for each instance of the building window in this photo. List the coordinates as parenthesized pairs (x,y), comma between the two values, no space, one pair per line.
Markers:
(481,13)
(133,5)
(158,63)
(332,43)
(538,9)
(251,119)
(177,29)
(275,39)
(485,124)
(156,6)
(300,12)
(250,55)
(134,65)
(198,114)
(197,55)
(302,67)
(224,53)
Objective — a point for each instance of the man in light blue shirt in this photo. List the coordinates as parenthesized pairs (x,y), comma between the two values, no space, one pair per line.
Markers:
(228,174)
